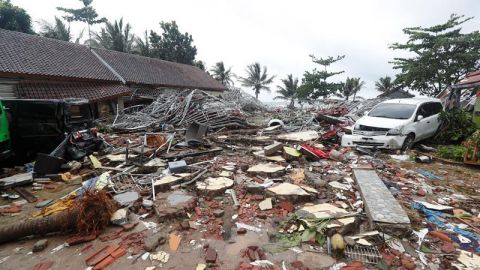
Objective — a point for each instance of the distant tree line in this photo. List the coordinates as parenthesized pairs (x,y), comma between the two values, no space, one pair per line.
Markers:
(441,54)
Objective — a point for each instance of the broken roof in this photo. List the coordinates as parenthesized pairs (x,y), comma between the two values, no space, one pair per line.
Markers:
(38,56)
(152,71)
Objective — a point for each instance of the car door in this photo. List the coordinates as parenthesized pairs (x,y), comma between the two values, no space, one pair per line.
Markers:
(434,109)
(421,126)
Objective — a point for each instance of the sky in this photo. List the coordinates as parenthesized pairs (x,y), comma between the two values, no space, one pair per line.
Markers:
(281,34)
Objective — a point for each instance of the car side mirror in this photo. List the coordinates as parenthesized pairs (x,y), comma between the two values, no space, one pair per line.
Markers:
(365,113)
(419,117)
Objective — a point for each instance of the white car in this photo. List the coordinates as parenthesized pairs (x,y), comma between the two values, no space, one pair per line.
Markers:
(396,124)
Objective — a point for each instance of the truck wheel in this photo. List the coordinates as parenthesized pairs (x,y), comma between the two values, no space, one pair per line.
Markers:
(408,143)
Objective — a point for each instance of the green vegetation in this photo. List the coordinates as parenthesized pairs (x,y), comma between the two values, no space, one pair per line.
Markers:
(14,18)
(350,88)
(314,83)
(222,74)
(115,36)
(384,84)
(172,45)
(289,90)
(256,79)
(456,126)
(441,55)
(453,152)
(58,30)
(86,14)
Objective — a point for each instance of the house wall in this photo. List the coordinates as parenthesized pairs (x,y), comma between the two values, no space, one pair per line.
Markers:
(7,88)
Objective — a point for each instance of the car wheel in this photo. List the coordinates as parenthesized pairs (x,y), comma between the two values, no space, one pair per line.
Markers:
(408,143)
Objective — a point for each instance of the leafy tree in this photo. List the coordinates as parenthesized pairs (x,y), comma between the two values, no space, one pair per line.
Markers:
(142,46)
(289,90)
(14,18)
(384,84)
(441,56)
(350,88)
(115,36)
(86,14)
(57,31)
(256,79)
(200,64)
(314,83)
(221,74)
(172,45)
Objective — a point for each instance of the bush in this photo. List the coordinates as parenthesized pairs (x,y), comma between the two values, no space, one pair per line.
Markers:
(456,126)
(454,152)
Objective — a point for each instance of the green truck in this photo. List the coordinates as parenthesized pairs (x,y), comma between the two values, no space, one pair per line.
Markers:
(5,143)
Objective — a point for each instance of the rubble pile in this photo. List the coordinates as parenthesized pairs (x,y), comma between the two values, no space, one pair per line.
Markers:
(280,196)
(181,109)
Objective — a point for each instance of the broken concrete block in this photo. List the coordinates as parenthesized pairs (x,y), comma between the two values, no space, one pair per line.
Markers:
(301,136)
(210,255)
(40,245)
(321,211)
(152,242)
(316,260)
(290,153)
(119,217)
(218,213)
(271,149)
(265,204)
(174,204)
(267,168)
(177,166)
(287,189)
(126,198)
(214,185)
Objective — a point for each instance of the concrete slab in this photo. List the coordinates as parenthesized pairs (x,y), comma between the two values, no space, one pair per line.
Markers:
(380,204)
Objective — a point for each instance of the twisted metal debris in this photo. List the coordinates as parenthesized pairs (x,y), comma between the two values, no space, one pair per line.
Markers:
(181,109)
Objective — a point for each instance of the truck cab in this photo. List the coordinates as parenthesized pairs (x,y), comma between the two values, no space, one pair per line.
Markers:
(40,126)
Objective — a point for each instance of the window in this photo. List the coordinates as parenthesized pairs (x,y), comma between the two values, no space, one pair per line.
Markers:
(393,110)
(436,107)
(429,109)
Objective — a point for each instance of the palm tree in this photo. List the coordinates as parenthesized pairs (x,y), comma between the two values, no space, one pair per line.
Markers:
(384,84)
(143,47)
(57,31)
(351,87)
(289,90)
(115,37)
(256,79)
(221,74)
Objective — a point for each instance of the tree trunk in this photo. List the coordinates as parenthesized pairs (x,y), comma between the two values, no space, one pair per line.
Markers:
(292,104)
(89,36)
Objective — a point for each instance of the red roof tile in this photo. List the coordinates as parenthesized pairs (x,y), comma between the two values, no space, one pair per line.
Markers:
(59,90)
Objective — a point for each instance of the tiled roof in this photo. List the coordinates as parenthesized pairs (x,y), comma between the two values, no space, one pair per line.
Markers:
(34,55)
(151,71)
(92,91)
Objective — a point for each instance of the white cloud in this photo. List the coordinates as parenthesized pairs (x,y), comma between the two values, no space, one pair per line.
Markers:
(279,33)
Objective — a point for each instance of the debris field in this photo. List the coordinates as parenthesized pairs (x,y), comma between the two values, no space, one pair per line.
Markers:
(192,181)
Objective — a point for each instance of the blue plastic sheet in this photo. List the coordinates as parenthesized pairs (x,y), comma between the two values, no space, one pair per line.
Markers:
(429,175)
(433,217)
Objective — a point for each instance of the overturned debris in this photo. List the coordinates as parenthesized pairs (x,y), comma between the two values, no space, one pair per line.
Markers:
(183,109)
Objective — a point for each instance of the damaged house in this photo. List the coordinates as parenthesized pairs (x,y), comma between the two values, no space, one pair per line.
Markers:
(33,67)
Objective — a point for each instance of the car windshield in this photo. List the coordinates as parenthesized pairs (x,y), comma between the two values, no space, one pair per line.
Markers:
(393,111)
